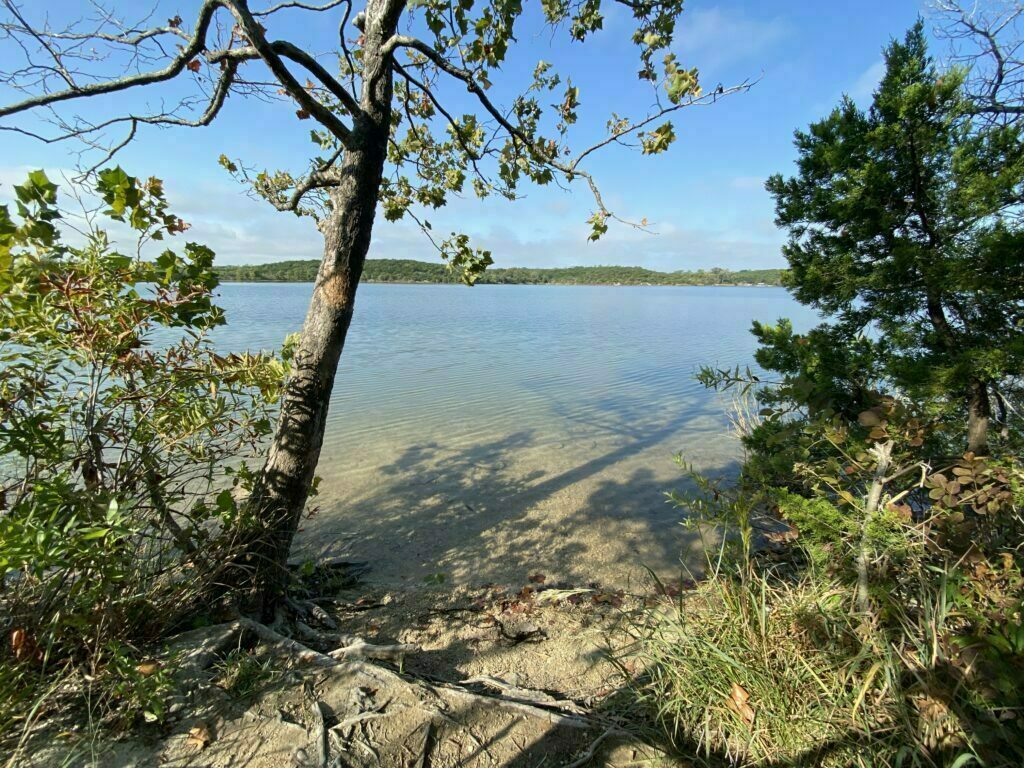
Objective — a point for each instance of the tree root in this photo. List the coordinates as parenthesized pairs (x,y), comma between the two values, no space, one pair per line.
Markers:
(208,642)
(317,734)
(525,695)
(360,649)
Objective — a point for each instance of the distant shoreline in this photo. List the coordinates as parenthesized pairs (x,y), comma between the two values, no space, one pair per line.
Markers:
(410,272)
(225,281)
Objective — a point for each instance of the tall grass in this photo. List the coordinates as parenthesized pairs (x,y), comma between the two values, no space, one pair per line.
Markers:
(752,669)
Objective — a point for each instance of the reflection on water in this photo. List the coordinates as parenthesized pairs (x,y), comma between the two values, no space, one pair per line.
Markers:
(481,432)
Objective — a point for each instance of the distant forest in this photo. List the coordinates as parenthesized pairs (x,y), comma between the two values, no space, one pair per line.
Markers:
(409,271)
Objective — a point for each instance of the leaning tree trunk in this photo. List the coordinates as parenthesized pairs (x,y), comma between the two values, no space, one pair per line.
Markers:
(979,413)
(282,488)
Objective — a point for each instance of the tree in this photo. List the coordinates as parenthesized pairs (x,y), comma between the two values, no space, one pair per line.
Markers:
(902,222)
(382,103)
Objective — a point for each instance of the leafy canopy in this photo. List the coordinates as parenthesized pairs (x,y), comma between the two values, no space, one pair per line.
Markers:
(435,153)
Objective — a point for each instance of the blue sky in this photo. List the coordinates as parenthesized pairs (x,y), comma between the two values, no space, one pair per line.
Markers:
(705,197)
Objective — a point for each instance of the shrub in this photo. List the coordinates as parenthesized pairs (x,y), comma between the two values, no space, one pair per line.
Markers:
(877,620)
(123,439)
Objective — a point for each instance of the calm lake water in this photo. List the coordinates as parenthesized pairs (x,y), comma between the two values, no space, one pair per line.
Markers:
(479,432)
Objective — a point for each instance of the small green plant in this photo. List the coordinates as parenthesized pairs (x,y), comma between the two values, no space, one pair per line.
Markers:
(242,673)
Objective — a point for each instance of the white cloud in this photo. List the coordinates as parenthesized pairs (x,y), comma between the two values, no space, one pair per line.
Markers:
(245,231)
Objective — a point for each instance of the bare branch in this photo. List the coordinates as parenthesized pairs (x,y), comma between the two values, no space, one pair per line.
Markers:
(987,40)
(299,56)
(223,87)
(195,45)
(297,4)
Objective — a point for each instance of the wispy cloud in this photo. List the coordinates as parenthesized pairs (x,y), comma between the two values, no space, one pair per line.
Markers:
(245,231)
(714,38)
(864,86)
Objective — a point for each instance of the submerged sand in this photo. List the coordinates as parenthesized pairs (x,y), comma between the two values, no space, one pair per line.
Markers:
(579,510)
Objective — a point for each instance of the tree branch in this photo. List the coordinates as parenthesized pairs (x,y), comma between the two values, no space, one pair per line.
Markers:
(195,45)
(570,169)
(297,4)
(254,33)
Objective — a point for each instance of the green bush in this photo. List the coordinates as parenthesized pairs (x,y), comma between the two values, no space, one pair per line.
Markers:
(123,439)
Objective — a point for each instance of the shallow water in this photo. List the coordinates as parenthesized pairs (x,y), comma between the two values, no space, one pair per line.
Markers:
(484,432)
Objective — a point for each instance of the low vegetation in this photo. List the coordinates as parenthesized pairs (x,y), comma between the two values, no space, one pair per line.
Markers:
(867,607)
(409,271)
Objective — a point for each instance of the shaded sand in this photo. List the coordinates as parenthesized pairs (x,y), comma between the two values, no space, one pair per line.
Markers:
(584,509)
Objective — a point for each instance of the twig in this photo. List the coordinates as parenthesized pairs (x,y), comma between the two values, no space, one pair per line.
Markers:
(591,751)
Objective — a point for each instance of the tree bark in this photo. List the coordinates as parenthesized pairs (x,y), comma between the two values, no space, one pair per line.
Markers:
(282,488)
(979,408)
(979,412)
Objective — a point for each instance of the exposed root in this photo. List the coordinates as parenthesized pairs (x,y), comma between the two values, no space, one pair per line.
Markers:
(202,646)
(360,649)
(210,641)
(591,753)
(525,695)
(317,734)
(309,610)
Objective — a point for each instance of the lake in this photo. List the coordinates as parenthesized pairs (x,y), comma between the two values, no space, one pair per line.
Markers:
(488,432)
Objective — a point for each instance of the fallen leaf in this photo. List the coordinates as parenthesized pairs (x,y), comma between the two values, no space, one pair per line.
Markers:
(738,702)
(24,646)
(200,735)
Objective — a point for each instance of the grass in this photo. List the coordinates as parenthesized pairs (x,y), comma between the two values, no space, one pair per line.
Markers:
(754,670)
(242,673)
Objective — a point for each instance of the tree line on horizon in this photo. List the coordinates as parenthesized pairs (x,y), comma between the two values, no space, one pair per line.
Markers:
(412,271)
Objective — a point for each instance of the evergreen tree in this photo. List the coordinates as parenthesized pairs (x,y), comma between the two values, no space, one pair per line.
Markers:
(903,222)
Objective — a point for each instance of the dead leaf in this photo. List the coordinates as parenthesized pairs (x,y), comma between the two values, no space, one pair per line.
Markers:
(302,114)
(613,599)
(200,735)
(538,578)
(194,65)
(738,702)
(869,418)
(24,646)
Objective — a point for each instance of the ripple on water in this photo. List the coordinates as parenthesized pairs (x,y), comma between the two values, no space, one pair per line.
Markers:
(544,403)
